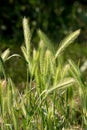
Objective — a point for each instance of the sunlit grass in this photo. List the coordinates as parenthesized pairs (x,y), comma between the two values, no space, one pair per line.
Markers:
(55,93)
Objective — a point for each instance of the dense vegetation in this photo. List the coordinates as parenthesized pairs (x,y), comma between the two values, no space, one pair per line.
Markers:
(43,82)
(55,93)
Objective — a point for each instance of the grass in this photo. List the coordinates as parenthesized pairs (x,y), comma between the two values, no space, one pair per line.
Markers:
(55,92)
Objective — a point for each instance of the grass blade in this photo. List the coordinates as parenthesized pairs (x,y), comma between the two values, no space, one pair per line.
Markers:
(46,41)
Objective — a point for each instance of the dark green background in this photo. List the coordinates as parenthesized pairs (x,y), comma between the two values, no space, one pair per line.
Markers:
(55,17)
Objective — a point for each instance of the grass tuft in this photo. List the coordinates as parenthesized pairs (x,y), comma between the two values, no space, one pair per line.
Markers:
(55,93)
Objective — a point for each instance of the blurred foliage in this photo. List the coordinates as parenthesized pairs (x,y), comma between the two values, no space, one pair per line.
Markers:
(55,18)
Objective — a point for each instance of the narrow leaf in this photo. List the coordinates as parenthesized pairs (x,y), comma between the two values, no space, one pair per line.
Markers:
(46,40)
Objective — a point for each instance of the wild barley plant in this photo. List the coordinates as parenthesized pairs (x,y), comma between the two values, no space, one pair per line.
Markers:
(48,101)
(45,67)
